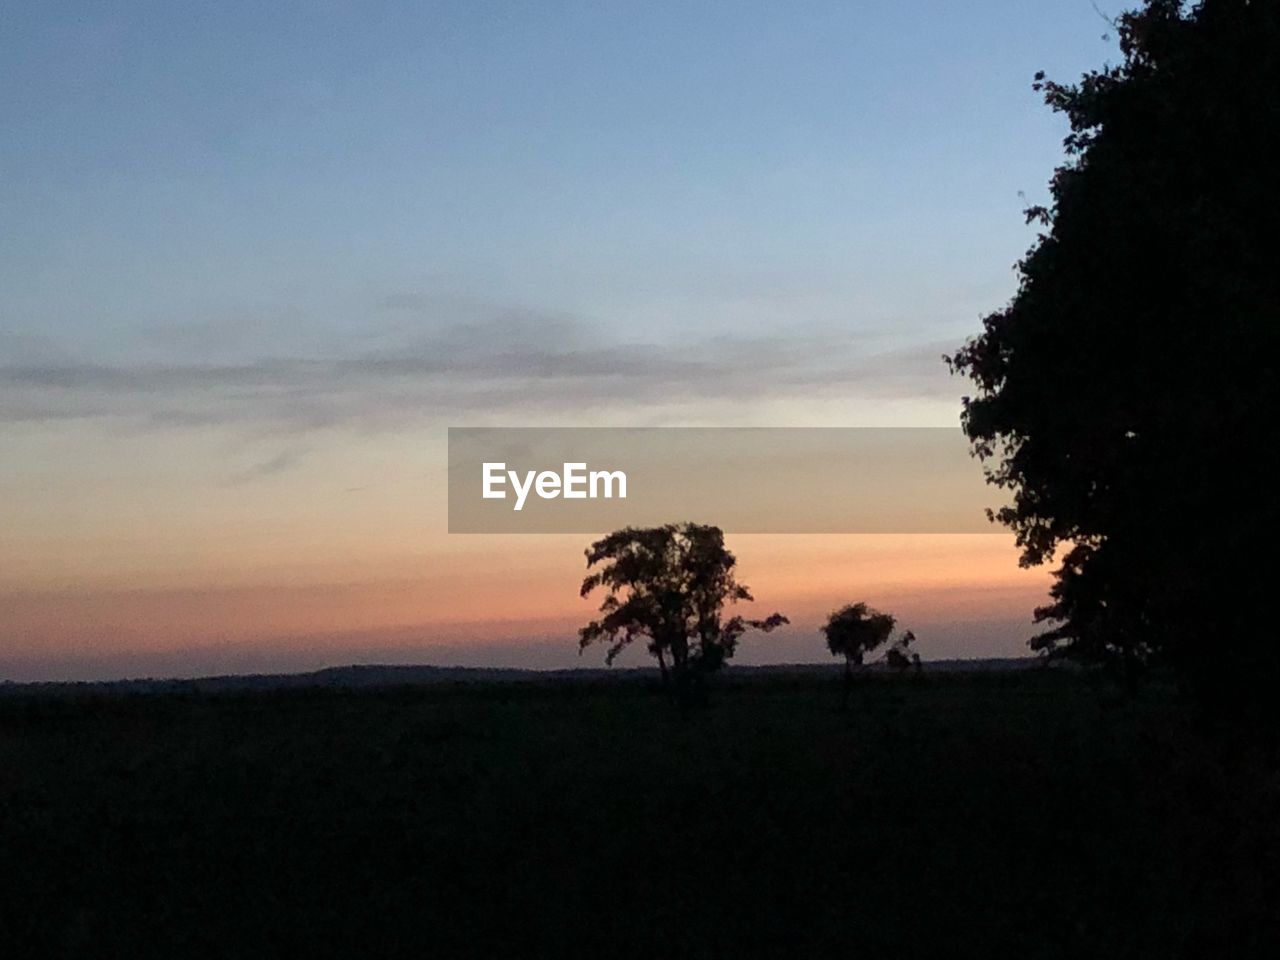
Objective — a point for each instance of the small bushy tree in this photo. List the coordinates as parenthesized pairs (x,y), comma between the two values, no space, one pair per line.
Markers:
(900,656)
(854,631)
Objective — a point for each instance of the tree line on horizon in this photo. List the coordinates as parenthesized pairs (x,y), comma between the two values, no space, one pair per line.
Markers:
(669,586)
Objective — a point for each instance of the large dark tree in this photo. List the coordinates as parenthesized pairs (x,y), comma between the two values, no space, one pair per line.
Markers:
(669,586)
(1126,396)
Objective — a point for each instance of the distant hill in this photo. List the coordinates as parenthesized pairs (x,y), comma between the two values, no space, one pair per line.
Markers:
(366,676)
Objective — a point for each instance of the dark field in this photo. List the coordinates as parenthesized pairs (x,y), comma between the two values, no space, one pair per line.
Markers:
(1024,814)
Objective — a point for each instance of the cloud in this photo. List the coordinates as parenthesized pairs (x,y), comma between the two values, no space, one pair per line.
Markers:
(513,362)
(283,461)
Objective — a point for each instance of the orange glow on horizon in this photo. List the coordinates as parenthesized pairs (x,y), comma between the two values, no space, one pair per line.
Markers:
(497,590)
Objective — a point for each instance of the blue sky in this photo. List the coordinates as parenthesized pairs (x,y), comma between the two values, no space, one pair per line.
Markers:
(256,257)
(249,178)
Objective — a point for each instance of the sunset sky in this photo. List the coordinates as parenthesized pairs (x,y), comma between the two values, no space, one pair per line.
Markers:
(257,258)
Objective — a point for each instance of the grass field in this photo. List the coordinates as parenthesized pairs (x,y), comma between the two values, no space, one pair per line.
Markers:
(1028,814)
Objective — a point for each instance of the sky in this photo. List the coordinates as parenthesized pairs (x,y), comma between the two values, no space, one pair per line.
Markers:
(257,258)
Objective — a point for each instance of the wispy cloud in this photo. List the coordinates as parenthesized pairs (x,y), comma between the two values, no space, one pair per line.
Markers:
(282,462)
(514,362)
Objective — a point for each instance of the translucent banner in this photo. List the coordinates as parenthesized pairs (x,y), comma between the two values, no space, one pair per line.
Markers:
(744,480)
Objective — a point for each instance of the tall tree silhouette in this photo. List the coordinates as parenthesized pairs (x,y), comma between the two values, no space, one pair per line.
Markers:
(669,586)
(1126,396)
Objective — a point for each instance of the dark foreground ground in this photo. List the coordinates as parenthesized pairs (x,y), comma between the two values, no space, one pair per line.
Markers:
(1027,814)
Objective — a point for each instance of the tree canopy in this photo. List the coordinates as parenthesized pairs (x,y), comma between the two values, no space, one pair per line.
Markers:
(900,656)
(669,585)
(856,630)
(1126,395)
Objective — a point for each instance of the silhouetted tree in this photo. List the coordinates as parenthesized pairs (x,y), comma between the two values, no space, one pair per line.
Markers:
(1126,396)
(900,656)
(854,631)
(669,585)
